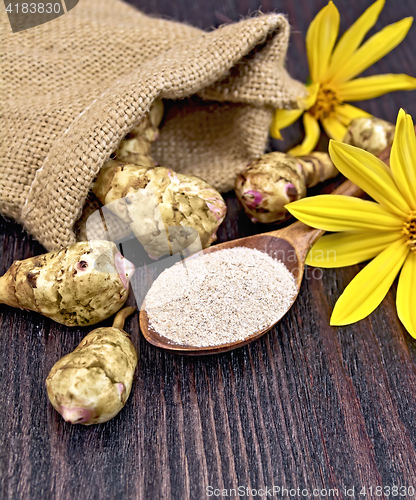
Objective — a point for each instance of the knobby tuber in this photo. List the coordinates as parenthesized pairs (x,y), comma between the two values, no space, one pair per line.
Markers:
(136,147)
(267,184)
(275,179)
(92,384)
(79,285)
(370,133)
(162,207)
(166,211)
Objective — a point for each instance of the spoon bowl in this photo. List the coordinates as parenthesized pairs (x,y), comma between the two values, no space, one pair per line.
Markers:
(290,245)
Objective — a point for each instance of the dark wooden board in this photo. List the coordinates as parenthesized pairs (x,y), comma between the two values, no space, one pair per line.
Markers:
(307,406)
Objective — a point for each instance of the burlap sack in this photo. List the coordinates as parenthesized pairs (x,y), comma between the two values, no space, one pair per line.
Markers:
(71,90)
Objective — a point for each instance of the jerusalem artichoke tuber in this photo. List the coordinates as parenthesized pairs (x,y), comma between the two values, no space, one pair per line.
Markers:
(165,209)
(275,179)
(136,147)
(91,384)
(270,182)
(79,285)
(370,133)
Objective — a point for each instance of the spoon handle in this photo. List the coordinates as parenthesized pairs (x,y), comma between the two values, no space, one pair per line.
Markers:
(302,236)
(348,188)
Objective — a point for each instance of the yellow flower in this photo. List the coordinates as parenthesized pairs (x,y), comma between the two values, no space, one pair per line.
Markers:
(332,70)
(383,230)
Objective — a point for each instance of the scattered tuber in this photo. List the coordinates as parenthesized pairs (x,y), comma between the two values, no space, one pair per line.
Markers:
(79,285)
(271,181)
(370,133)
(275,179)
(165,210)
(92,384)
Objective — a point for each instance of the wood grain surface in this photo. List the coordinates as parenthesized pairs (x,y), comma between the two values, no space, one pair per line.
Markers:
(306,406)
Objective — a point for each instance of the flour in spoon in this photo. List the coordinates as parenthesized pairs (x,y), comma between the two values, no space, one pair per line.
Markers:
(220,297)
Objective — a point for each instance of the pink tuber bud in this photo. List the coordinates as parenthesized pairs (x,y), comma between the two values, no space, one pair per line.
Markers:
(76,415)
(252,198)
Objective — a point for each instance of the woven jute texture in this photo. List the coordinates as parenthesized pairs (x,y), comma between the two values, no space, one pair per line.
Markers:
(71,89)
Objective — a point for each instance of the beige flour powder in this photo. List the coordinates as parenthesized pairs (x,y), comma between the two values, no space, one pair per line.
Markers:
(221,297)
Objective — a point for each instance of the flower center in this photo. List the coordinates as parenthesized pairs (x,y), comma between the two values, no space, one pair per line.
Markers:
(409,230)
(326,101)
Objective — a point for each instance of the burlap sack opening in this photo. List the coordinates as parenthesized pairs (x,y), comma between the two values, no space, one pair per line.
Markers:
(74,87)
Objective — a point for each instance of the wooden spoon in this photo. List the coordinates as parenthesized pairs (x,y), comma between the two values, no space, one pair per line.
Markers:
(290,245)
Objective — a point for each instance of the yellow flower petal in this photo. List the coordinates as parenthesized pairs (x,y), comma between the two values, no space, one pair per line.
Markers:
(370,174)
(320,40)
(403,158)
(406,296)
(312,133)
(346,113)
(347,249)
(373,49)
(334,128)
(333,212)
(282,118)
(308,102)
(351,39)
(373,86)
(367,290)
